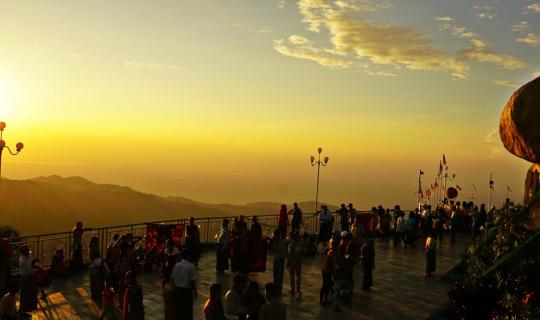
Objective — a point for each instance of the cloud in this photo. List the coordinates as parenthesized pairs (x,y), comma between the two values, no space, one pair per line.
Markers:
(150,66)
(486,12)
(356,41)
(532,8)
(479,51)
(492,139)
(507,83)
(521,27)
(280,4)
(530,39)
(302,48)
(444,19)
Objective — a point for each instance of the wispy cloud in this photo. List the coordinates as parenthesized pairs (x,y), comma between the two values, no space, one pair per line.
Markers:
(532,8)
(479,51)
(530,39)
(355,41)
(521,27)
(485,12)
(507,83)
(492,139)
(300,47)
(444,19)
(151,66)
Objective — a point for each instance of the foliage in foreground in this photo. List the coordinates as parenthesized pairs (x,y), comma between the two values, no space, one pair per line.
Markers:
(501,282)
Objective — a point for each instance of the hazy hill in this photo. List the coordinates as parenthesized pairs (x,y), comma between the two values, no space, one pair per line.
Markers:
(53,204)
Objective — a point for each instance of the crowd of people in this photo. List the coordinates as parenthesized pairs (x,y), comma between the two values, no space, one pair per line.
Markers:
(343,245)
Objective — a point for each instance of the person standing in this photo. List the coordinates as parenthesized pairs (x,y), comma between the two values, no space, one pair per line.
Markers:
(431,260)
(283,219)
(344,217)
(192,242)
(374,221)
(280,247)
(222,252)
(257,247)
(274,309)
(401,227)
(296,221)
(368,264)
(325,219)
(96,270)
(411,229)
(454,216)
(294,263)
(184,276)
(169,289)
(213,307)
(341,275)
(327,270)
(133,307)
(28,283)
(352,214)
(77,246)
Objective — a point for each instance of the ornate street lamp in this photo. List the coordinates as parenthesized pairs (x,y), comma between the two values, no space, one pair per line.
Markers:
(318,162)
(18,147)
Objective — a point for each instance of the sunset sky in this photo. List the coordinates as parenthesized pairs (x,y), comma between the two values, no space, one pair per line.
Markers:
(224,101)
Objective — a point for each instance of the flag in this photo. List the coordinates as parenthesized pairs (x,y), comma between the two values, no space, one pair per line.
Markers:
(491,182)
(508,189)
(458,187)
(473,189)
(440,168)
(444,159)
(436,185)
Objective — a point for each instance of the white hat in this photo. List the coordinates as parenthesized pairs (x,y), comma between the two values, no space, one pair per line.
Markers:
(344,234)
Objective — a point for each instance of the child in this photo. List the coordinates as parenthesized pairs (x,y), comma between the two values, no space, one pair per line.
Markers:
(43,279)
(108,302)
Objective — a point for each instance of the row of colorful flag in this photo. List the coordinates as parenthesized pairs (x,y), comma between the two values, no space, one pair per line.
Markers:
(443,168)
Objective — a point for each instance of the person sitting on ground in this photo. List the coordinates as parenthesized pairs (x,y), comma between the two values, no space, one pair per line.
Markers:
(235,299)
(274,309)
(213,307)
(8,304)
(59,268)
(254,300)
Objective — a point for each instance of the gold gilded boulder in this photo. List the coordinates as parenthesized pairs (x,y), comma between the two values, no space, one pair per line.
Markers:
(519,127)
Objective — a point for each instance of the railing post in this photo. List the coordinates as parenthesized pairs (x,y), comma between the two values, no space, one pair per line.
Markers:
(207,229)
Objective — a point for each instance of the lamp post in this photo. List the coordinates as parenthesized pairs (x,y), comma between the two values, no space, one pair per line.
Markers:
(18,147)
(318,163)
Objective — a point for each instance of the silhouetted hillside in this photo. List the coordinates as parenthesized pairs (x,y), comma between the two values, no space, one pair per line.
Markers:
(54,204)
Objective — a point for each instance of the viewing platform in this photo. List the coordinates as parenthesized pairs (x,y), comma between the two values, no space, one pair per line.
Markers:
(400,290)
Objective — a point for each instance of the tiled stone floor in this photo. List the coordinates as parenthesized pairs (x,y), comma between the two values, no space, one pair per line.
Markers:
(400,290)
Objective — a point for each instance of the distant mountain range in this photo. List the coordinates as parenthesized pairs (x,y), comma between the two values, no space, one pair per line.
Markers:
(54,204)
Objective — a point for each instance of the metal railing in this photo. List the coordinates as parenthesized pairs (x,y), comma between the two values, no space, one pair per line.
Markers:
(44,246)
